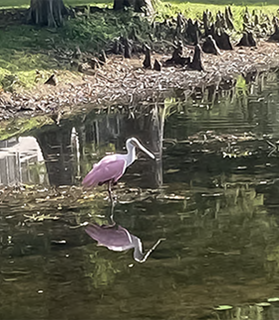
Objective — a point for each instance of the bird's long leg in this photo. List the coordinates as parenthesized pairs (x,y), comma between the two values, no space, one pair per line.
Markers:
(109,191)
(111,218)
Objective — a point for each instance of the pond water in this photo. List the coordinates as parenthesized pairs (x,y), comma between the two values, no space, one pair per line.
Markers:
(211,194)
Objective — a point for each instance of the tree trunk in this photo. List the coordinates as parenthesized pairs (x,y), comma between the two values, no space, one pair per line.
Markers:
(47,12)
(138,5)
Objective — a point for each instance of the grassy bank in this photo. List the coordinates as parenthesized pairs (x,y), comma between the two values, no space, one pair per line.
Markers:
(28,54)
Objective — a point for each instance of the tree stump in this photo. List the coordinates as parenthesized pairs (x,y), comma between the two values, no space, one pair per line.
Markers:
(251,39)
(193,32)
(205,19)
(147,59)
(103,58)
(275,35)
(228,17)
(247,40)
(157,65)
(256,18)
(222,40)
(51,80)
(117,47)
(246,16)
(128,47)
(94,63)
(196,64)
(177,57)
(77,54)
(179,25)
(220,21)
(210,46)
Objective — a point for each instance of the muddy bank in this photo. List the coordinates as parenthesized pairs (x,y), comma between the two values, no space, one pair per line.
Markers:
(123,80)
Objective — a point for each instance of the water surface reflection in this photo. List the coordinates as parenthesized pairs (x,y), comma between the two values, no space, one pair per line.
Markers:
(212,194)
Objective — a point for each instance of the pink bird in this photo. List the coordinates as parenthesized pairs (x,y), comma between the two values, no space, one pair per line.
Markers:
(111,168)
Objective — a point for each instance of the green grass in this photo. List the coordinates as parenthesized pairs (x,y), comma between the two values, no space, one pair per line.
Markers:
(194,11)
(25,49)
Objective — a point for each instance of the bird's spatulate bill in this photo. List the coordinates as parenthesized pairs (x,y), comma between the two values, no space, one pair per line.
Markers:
(140,146)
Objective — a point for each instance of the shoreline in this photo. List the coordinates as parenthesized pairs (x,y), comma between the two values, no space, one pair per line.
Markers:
(124,81)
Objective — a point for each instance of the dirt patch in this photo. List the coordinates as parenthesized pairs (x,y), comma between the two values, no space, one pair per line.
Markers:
(125,81)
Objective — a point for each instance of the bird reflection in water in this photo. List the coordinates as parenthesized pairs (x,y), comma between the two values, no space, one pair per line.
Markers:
(117,238)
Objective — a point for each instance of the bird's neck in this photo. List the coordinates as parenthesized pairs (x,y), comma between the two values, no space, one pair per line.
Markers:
(131,155)
(138,254)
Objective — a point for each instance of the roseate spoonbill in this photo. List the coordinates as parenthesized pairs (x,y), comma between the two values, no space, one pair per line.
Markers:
(117,238)
(111,168)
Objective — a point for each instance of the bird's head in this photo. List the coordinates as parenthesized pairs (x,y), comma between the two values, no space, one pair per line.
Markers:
(135,143)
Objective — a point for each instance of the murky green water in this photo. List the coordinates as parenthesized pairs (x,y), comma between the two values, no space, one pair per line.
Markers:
(212,193)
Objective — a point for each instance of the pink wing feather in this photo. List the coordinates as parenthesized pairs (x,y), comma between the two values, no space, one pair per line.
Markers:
(109,168)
